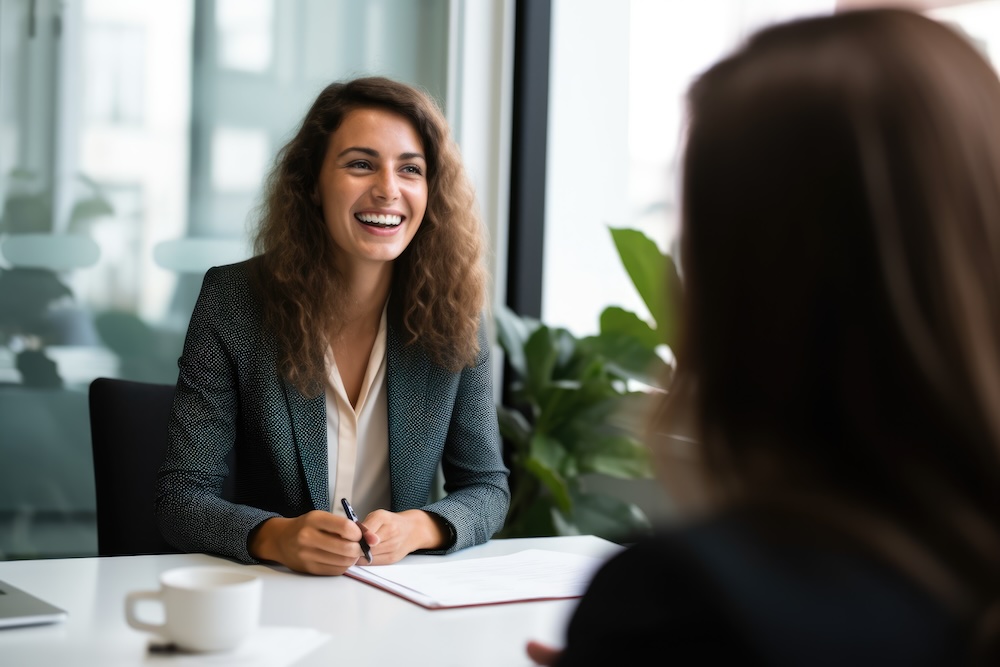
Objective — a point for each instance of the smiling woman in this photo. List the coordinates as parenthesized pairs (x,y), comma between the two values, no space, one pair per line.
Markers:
(372,189)
(347,359)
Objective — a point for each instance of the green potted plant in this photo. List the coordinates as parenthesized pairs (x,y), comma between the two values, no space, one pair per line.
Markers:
(573,404)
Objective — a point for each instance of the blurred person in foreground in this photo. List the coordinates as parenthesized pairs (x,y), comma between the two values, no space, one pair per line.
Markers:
(348,358)
(840,362)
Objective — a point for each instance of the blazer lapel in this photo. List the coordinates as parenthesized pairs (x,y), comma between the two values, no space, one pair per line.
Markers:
(308,420)
(407,385)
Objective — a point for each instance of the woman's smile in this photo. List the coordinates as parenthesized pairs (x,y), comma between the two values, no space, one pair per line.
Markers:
(379,220)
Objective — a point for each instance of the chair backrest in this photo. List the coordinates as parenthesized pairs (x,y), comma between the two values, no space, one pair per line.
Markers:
(128,429)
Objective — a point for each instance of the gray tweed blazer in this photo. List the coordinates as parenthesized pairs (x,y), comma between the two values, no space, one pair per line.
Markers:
(230,396)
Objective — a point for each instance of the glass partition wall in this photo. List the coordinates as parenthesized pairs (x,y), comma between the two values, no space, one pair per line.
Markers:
(134,137)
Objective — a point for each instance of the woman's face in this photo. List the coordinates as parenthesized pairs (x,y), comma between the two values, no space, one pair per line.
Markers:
(373,186)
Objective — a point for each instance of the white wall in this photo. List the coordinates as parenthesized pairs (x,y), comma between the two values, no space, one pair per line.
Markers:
(480,84)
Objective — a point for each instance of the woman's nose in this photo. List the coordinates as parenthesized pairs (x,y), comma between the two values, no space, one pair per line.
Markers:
(386,186)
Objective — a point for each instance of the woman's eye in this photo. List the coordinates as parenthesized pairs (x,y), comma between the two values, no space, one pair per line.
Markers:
(412,169)
(359,164)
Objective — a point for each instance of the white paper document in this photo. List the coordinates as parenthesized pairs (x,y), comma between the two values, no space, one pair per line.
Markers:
(532,574)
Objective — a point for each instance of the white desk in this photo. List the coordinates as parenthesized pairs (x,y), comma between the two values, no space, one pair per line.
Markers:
(368,627)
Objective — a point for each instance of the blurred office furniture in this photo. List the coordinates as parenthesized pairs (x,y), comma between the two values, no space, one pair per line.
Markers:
(46,483)
(128,427)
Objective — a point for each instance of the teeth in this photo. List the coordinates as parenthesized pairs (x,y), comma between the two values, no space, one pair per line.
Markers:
(380,220)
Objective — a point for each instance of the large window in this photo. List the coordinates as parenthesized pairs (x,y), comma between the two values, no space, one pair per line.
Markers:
(618,76)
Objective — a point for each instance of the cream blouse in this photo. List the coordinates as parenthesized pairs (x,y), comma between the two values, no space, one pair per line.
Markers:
(358,436)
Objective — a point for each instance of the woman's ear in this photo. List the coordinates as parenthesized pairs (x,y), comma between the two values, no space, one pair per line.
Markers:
(315,195)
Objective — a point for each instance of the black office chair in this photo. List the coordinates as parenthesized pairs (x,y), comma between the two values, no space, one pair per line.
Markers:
(128,428)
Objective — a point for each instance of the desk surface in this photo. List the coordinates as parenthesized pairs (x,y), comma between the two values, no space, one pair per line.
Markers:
(367,627)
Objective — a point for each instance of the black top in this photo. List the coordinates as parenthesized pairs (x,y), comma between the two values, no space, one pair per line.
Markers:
(728,591)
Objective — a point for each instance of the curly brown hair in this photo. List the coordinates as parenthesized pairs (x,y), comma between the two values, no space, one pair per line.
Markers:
(439,281)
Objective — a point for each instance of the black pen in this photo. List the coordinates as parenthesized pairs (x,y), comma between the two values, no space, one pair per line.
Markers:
(365,549)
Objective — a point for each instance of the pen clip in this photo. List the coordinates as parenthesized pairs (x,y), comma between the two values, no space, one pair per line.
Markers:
(348,510)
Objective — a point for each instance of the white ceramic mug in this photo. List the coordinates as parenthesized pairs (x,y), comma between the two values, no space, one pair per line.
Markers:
(205,608)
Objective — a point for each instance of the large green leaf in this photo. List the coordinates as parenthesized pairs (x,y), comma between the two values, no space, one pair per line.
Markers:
(644,263)
(618,321)
(537,520)
(566,349)
(566,402)
(512,334)
(573,399)
(546,461)
(591,424)
(576,403)
(545,349)
(628,357)
(514,427)
(596,514)
(670,324)
(617,456)
(654,276)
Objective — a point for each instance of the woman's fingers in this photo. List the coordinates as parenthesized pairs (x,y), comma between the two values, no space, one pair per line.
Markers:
(322,543)
(542,654)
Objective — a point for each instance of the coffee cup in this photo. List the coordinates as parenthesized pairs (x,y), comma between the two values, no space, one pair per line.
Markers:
(205,608)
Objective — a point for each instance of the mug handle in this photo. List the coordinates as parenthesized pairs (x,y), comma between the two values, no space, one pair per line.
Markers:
(131,600)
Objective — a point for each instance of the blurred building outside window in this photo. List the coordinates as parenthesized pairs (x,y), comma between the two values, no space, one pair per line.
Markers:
(134,138)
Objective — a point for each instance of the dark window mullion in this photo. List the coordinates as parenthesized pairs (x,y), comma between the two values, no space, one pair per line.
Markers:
(532,35)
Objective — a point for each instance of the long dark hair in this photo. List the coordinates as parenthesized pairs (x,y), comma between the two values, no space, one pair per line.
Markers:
(439,281)
(841,258)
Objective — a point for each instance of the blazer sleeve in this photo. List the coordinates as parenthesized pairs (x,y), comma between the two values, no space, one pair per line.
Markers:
(475,477)
(190,509)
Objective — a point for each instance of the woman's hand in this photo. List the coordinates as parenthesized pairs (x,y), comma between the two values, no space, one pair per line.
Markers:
(401,533)
(317,542)
(542,654)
